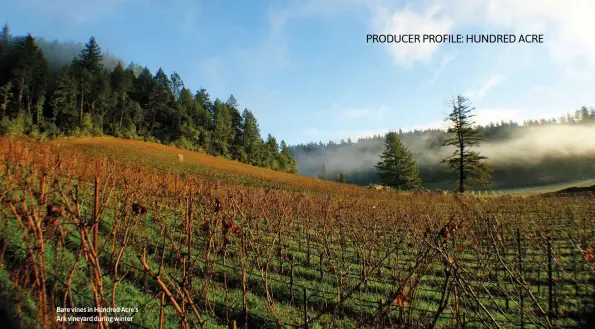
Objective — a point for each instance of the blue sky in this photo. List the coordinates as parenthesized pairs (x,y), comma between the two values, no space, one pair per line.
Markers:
(304,67)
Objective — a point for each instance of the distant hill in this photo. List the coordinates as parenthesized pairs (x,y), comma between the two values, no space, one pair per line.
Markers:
(575,190)
(163,157)
(532,153)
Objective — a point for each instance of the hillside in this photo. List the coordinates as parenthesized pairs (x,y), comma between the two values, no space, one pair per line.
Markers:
(45,91)
(226,171)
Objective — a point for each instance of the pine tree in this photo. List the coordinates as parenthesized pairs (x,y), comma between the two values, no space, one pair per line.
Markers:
(466,163)
(341,178)
(237,124)
(223,130)
(29,72)
(91,58)
(121,83)
(204,116)
(584,115)
(159,106)
(141,87)
(272,153)
(178,114)
(252,141)
(63,101)
(176,85)
(5,38)
(397,168)
(5,98)
(323,172)
(87,67)
(286,162)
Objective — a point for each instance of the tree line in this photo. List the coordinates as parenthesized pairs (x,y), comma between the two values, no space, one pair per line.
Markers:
(397,151)
(84,97)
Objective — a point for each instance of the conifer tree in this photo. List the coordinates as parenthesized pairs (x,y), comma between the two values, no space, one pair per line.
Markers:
(159,106)
(121,83)
(5,38)
(286,162)
(252,142)
(323,172)
(63,101)
(271,153)
(465,162)
(223,130)
(341,178)
(397,168)
(5,98)
(87,68)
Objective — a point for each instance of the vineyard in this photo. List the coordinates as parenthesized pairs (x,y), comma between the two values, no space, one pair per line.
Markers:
(189,250)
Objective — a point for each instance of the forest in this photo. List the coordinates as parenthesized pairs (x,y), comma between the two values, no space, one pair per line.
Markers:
(90,93)
(536,152)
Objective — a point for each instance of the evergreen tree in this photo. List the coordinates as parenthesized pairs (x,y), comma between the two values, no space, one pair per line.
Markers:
(87,68)
(91,58)
(584,115)
(466,163)
(141,87)
(237,124)
(121,83)
(323,172)
(271,153)
(29,73)
(397,168)
(159,113)
(5,98)
(223,131)
(252,142)
(5,38)
(204,117)
(178,112)
(286,161)
(176,85)
(63,101)
(341,178)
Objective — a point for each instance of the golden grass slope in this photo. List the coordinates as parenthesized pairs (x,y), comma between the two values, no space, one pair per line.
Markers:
(165,157)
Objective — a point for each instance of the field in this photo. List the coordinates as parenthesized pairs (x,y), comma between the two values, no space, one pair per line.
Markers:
(210,243)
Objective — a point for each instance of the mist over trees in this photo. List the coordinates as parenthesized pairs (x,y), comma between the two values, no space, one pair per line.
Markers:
(80,90)
(534,152)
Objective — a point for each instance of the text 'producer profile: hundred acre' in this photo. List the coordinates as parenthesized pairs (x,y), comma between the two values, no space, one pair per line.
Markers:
(454,38)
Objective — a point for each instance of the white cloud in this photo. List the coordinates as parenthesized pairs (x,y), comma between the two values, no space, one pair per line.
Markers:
(490,83)
(566,25)
(407,21)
